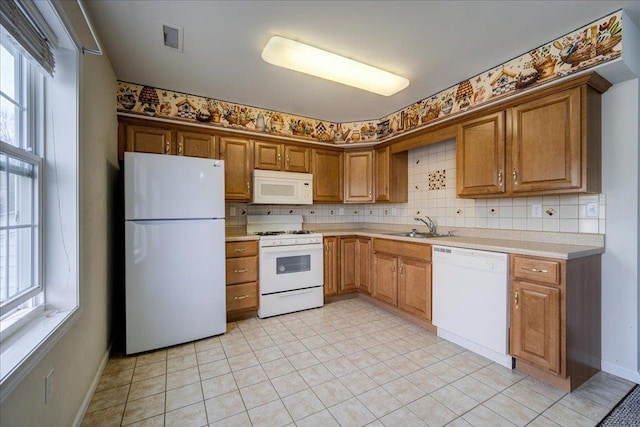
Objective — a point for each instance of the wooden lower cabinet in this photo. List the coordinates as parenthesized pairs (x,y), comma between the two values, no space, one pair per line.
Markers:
(385,278)
(555,318)
(414,287)
(331,273)
(242,278)
(363,265)
(355,264)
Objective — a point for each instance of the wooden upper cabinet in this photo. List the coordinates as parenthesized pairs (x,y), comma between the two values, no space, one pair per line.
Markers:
(391,175)
(194,144)
(148,139)
(327,169)
(546,141)
(358,177)
(285,157)
(480,156)
(236,153)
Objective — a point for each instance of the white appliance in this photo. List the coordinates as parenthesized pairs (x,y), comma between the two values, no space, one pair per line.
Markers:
(174,250)
(282,188)
(291,269)
(470,300)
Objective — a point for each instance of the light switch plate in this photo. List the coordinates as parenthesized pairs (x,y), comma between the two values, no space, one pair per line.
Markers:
(536,211)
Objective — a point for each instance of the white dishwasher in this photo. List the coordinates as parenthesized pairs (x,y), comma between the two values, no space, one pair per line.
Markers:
(470,300)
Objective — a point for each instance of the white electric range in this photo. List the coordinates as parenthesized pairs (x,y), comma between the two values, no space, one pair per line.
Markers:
(291,272)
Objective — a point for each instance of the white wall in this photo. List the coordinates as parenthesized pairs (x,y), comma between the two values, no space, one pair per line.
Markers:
(77,356)
(620,299)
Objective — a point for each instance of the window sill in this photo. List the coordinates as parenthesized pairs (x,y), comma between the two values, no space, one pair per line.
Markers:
(20,352)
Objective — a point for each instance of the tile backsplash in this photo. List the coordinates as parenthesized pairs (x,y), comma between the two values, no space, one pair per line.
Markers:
(432,192)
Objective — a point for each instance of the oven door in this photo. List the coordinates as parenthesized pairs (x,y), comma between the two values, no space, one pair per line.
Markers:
(286,268)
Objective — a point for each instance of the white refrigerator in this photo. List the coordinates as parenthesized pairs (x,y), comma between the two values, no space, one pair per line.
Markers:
(174,250)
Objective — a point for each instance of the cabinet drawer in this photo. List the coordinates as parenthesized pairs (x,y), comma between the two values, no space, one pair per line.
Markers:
(238,249)
(240,270)
(242,297)
(402,248)
(537,270)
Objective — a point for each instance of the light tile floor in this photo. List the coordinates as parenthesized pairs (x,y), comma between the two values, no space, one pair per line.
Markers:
(349,363)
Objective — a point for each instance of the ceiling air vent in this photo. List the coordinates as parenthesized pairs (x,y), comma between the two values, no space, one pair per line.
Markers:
(172,36)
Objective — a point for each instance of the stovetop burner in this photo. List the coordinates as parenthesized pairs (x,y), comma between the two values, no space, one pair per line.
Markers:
(300,232)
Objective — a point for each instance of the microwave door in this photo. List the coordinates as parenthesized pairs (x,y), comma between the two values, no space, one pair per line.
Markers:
(274,191)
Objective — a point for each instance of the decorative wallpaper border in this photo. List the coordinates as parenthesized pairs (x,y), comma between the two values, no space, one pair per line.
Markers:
(591,45)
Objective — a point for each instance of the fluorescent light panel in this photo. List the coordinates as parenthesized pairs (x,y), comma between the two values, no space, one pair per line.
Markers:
(320,63)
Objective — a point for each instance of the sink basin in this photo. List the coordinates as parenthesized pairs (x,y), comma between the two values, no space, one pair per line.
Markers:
(417,235)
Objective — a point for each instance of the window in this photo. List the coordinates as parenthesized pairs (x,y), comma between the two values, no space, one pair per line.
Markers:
(21,100)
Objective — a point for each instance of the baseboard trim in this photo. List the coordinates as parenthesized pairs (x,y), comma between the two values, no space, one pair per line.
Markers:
(94,384)
(619,371)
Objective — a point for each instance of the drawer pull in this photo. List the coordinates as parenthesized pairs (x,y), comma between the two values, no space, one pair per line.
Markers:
(241,297)
(240,249)
(515,298)
(535,270)
(244,270)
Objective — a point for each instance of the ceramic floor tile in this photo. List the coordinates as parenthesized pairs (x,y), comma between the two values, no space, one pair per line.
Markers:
(531,399)
(181,350)
(108,417)
(459,422)
(219,385)
(289,384)
(358,382)
(155,421)
(314,375)
(189,416)
(273,414)
(326,353)
(119,364)
(115,378)
(483,416)
(108,398)
(238,420)
(492,379)
(421,358)
(402,417)
(403,390)
(383,352)
(445,372)
(268,354)
(292,347)
(303,360)
(566,416)
(379,401)
(147,407)
(402,365)
(425,380)
(258,394)
(277,368)
(463,364)
(431,411)
(149,358)
(149,371)
(381,373)
(208,344)
(340,367)
(242,361)
(213,369)
(302,404)
(184,396)
(542,421)
(224,406)
(148,387)
(351,413)
(250,376)
(584,406)
(211,355)
(542,388)
(182,378)
(508,408)
(314,342)
(332,392)
(454,399)
(237,349)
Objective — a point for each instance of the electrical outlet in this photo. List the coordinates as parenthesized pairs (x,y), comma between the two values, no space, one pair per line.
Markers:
(536,211)
(591,210)
(48,387)
(233,211)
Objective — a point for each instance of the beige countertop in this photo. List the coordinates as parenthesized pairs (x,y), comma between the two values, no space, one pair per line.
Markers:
(506,245)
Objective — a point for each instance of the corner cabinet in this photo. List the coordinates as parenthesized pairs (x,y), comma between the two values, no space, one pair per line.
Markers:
(238,165)
(391,176)
(555,318)
(327,165)
(355,264)
(549,145)
(358,177)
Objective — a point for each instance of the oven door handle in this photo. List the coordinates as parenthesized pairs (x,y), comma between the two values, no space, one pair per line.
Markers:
(292,248)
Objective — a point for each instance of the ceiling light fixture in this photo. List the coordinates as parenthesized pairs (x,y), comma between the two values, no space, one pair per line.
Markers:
(320,63)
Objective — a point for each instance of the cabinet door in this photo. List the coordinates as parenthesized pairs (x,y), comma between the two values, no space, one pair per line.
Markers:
(268,155)
(480,156)
(297,159)
(194,144)
(414,287)
(326,166)
(348,266)
(236,153)
(363,264)
(535,325)
(358,177)
(546,144)
(147,139)
(330,265)
(391,176)
(385,276)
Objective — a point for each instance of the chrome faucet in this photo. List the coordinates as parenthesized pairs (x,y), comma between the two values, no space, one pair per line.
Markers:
(429,223)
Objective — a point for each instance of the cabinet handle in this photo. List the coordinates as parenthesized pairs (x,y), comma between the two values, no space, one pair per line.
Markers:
(401,269)
(278,160)
(167,147)
(535,270)
(241,297)
(393,268)
(515,298)
(369,193)
(287,160)
(326,248)
(248,186)
(500,178)
(244,270)
(515,176)
(240,249)
(179,148)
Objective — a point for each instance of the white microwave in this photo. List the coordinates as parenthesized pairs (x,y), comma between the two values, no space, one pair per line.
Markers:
(282,188)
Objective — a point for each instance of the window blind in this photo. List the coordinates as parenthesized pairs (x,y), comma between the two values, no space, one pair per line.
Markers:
(20,24)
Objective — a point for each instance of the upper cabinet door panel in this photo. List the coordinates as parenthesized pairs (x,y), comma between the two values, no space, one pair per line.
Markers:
(147,139)
(358,177)
(480,158)
(297,159)
(267,155)
(195,144)
(546,143)
(327,175)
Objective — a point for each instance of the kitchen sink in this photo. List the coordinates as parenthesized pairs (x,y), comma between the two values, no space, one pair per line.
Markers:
(418,235)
